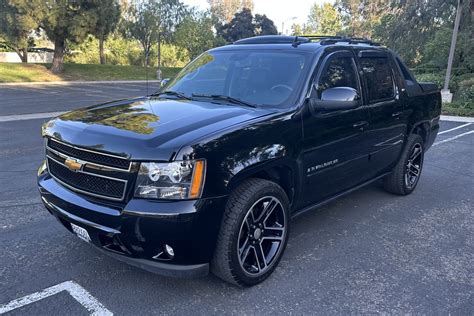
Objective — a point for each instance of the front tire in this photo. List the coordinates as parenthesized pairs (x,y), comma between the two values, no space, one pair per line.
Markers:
(407,172)
(253,233)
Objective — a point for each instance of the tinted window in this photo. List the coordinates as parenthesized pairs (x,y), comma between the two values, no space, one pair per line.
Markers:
(338,72)
(405,72)
(378,74)
(257,77)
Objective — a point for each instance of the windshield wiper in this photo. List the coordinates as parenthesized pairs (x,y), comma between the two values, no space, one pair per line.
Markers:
(173,93)
(224,98)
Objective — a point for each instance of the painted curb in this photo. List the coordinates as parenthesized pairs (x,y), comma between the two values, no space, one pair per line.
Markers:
(464,119)
(65,83)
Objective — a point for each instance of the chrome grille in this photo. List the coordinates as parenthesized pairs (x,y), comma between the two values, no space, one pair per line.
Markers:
(89,155)
(96,179)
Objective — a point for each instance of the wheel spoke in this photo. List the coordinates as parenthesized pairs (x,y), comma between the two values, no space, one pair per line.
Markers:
(244,250)
(260,257)
(413,170)
(273,233)
(416,152)
(249,220)
(267,211)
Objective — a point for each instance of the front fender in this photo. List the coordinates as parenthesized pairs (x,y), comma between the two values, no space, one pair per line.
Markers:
(236,154)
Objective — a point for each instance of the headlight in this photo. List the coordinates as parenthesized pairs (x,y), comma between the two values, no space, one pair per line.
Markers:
(175,180)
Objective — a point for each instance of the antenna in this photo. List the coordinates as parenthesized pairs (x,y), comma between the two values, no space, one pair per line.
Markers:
(146,72)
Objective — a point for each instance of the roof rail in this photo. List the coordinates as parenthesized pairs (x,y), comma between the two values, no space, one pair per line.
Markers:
(272,39)
(297,40)
(329,39)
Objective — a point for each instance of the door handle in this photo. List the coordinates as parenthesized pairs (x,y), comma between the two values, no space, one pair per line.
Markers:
(360,125)
(397,115)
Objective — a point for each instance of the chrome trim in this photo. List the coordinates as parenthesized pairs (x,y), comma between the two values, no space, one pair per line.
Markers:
(88,173)
(86,162)
(86,192)
(95,152)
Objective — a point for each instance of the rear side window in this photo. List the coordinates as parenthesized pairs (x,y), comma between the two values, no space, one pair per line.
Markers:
(379,78)
(338,72)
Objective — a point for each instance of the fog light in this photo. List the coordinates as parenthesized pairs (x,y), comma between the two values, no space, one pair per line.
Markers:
(169,251)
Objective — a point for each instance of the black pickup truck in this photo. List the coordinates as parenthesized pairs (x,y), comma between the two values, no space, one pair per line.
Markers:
(206,174)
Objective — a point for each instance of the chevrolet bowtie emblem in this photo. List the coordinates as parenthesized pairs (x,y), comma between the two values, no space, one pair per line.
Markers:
(73,164)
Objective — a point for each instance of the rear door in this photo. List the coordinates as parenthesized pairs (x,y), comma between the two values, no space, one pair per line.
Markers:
(387,127)
(334,155)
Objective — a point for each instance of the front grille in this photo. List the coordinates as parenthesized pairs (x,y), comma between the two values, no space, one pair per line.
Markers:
(89,156)
(87,183)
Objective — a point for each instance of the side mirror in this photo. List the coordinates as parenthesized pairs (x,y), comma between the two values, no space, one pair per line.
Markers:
(335,99)
(163,82)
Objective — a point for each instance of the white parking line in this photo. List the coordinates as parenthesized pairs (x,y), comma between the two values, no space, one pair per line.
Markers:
(455,128)
(75,290)
(452,138)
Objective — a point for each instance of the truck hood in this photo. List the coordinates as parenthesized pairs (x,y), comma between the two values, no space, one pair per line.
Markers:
(146,128)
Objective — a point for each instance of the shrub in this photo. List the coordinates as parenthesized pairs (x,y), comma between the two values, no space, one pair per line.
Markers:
(121,51)
(437,78)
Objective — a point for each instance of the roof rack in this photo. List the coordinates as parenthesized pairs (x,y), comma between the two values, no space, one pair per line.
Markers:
(328,39)
(297,40)
(272,39)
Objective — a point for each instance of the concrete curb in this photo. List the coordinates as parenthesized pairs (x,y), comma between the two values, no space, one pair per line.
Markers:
(464,119)
(65,83)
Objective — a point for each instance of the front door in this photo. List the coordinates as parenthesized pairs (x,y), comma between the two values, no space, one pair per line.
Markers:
(335,157)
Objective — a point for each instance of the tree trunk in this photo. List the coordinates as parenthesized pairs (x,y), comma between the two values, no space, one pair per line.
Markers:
(24,58)
(22,53)
(101,50)
(58,58)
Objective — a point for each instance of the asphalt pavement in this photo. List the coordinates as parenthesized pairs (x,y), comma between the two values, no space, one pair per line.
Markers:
(369,252)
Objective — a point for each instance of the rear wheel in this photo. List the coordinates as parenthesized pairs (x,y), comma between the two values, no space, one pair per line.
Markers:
(253,234)
(407,172)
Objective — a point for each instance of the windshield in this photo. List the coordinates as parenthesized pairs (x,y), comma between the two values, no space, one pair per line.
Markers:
(255,77)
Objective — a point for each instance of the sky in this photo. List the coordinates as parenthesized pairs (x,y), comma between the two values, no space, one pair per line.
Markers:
(287,12)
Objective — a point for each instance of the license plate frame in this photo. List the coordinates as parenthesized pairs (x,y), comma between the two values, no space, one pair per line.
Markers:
(81,232)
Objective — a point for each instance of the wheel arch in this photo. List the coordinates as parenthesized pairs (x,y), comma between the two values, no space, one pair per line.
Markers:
(280,171)
(422,129)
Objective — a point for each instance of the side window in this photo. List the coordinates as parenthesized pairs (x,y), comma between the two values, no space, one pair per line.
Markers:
(379,77)
(409,80)
(338,72)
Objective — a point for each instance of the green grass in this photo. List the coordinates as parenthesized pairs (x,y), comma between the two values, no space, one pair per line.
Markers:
(17,72)
(458,108)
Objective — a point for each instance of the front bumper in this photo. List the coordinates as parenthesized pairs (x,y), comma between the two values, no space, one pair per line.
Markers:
(137,231)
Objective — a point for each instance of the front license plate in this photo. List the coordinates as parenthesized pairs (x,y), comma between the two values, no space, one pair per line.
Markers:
(81,232)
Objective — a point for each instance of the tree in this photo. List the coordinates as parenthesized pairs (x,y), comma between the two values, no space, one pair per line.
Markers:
(361,17)
(241,26)
(154,21)
(296,29)
(324,19)
(18,20)
(264,26)
(409,25)
(108,15)
(66,20)
(223,10)
(244,25)
(195,34)
(143,25)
